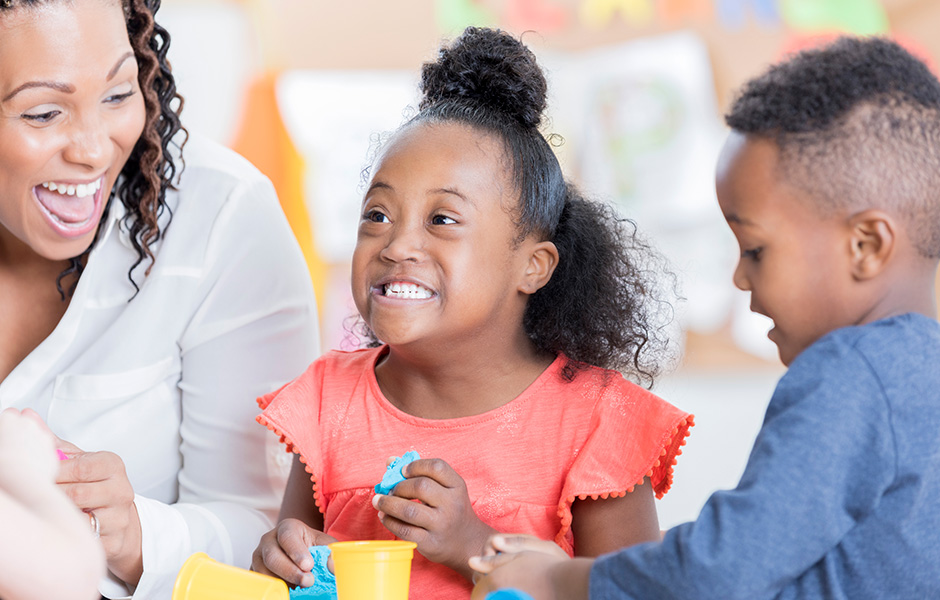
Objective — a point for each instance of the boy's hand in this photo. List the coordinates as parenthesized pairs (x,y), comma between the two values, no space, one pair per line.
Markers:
(284,552)
(526,563)
(443,522)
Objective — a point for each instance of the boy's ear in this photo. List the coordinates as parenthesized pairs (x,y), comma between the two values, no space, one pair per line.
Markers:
(543,259)
(873,237)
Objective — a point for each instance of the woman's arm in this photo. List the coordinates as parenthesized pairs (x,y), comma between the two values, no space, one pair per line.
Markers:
(602,526)
(253,328)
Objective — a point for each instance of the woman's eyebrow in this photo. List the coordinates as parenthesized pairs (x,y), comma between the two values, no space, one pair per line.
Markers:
(65,88)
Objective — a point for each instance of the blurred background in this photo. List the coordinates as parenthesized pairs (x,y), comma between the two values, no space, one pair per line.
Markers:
(305,89)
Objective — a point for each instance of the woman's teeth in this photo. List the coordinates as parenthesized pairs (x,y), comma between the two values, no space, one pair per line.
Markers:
(407,290)
(67,189)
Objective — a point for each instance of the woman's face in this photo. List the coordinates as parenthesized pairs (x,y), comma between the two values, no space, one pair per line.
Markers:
(71,112)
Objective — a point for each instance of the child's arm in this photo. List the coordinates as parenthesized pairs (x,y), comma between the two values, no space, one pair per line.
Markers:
(537,567)
(283,551)
(443,523)
(602,526)
(46,543)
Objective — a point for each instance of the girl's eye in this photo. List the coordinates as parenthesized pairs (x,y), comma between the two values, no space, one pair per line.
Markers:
(442,220)
(118,98)
(753,253)
(42,117)
(375,216)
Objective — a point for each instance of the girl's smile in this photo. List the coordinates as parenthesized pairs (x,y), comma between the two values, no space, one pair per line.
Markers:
(437,239)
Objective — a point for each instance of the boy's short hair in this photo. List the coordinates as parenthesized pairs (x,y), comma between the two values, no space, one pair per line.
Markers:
(857,123)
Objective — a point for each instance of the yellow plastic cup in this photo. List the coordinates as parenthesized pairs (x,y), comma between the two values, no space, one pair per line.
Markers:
(372,570)
(202,578)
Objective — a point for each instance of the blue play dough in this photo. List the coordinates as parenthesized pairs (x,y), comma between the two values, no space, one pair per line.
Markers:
(508,594)
(324,584)
(393,474)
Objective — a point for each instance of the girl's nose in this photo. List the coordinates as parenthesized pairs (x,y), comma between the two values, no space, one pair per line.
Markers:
(405,243)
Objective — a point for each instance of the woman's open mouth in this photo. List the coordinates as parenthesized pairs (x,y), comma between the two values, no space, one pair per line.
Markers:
(71,209)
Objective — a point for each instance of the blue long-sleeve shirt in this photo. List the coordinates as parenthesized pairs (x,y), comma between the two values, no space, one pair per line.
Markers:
(840,498)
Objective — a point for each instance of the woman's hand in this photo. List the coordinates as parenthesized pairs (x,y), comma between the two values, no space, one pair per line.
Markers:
(443,523)
(97,483)
(537,567)
(284,552)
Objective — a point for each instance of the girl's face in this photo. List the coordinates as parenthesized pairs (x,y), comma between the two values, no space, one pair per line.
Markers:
(71,111)
(435,258)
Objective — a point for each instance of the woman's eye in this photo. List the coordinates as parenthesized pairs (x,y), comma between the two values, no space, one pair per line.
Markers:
(118,98)
(752,253)
(442,220)
(376,217)
(44,117)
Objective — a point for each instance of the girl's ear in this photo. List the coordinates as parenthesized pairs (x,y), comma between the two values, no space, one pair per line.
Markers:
(873,235)
(543,258)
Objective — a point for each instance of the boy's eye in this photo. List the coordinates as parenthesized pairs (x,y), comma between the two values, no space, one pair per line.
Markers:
(375,216)
(442,220)
(753,253)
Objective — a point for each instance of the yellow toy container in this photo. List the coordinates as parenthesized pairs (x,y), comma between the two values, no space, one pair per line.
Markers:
(202,578)
(372,570)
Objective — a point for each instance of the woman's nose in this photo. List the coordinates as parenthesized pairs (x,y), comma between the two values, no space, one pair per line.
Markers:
(87,145)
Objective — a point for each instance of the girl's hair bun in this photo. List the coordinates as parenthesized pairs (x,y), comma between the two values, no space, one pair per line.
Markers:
(491,69)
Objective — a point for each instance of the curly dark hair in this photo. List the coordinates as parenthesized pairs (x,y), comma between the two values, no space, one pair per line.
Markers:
(604,304)
(857,123)
(149,171)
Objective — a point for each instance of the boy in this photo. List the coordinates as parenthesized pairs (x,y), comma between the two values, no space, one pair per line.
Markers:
(830,181)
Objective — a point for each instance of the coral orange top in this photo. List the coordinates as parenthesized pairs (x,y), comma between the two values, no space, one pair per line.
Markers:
(524,463)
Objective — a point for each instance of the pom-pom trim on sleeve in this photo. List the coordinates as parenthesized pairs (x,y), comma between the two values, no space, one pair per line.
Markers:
(661,467)
(289,446)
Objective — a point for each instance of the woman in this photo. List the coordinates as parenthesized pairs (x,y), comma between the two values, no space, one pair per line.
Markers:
(145,301)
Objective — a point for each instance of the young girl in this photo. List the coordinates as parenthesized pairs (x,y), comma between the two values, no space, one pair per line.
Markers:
(501,298)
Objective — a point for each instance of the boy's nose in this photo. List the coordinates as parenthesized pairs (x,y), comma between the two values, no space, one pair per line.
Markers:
(740,279)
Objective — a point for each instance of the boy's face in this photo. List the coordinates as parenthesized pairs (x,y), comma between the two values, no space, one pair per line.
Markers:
(794,261)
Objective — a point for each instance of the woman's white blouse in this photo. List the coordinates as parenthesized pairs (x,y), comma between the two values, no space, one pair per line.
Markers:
(168,380)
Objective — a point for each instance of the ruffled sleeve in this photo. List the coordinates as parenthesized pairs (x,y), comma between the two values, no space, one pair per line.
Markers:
(293,413)
(633,435)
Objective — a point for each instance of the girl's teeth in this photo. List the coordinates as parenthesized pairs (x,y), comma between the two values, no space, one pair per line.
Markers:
(407,290)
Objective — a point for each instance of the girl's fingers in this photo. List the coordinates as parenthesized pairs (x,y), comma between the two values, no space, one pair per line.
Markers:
(435,469)
(405,531)
(277,563)
(402,509)
(292,538)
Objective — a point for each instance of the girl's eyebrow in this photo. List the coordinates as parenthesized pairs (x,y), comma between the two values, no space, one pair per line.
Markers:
(66,88)
(453,192)
(381,185)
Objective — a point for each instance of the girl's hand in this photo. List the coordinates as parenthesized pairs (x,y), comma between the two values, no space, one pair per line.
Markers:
(443,523)
(537,567)
(97,483)
(284,552)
